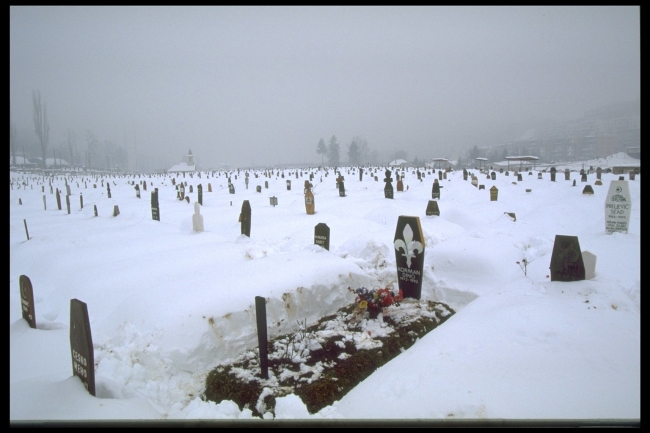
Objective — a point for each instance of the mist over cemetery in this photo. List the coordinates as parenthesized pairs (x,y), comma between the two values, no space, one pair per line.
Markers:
(130,293)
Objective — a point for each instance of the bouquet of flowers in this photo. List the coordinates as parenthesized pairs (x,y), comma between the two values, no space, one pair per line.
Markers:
(375,300)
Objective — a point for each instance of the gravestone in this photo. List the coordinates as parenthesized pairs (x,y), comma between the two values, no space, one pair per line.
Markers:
(58,199)
(589,259)
(137,191)
(274,201)
(553,172)
(27,300)
(258,188)
(493,175)
(583,177)
(262,335)
(388,188)
(192,189)
(197,218)
(266,184)
(599,173)
(588,190)
(95,209)
(144,186)
(81,345)
(108,190)
(439,174)
(419,175)
(598,182)
(187,199)
(246,182)
(400,185)
(621,178)
(341,187)
(209,187)
(67,189)
(582,171)
(507,173)
(432,208)
(539,175)
(474,181)
(494,193)
(360,174)
(483,187)
(81,201)
(501,170)
(199,190)
(409,255)
(288,184)
(182,191)
(631,175)
(231,188)
(566,259)
(322,235)
(67,203)
(116,211)
(435,190)
(309,199)
(155,210)
(574,182)
(618,207)
(246,218)
(567,174)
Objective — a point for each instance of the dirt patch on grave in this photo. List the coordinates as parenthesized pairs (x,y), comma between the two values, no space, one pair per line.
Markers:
(323,362)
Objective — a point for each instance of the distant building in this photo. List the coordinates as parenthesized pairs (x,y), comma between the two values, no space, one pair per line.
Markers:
(183,167)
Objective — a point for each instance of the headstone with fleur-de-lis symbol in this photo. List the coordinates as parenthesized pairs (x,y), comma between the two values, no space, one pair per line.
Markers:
(409,255)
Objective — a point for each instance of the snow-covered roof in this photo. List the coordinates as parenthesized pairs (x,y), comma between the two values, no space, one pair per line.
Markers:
(183,166)
(397,162)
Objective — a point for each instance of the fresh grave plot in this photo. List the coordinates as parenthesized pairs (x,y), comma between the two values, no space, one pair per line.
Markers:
(322,362)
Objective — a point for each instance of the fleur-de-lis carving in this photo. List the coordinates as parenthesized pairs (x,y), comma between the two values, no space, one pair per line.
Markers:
(408,245)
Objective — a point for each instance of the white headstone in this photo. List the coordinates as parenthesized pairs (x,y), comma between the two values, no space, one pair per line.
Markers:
(618,207)
(589,260)
(197,218)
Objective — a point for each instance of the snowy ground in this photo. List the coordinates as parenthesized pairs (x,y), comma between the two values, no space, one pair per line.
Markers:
(167,303)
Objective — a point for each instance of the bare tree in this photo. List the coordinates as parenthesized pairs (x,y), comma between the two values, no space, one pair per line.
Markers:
(92,147)
(12,140)
(72,144)
(41,126)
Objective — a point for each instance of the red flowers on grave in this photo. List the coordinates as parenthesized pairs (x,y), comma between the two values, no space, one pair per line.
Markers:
(374,301)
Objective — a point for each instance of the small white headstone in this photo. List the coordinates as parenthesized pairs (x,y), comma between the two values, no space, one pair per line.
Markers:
(197,218)
(589,260)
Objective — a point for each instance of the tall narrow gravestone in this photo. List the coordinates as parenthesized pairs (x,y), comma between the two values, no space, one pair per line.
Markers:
(27,300)
(388,189)
(310,206)
(67,203)
(432,208)
(322,235)
(409,255)
(245,218)
(199,190)
(81,345)
(262,337)
(435,190)
(197,218)
(566,259)
(58,199)
(155,210)
(618,207)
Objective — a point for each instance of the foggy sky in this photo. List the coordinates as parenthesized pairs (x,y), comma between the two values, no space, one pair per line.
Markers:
(262,85)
